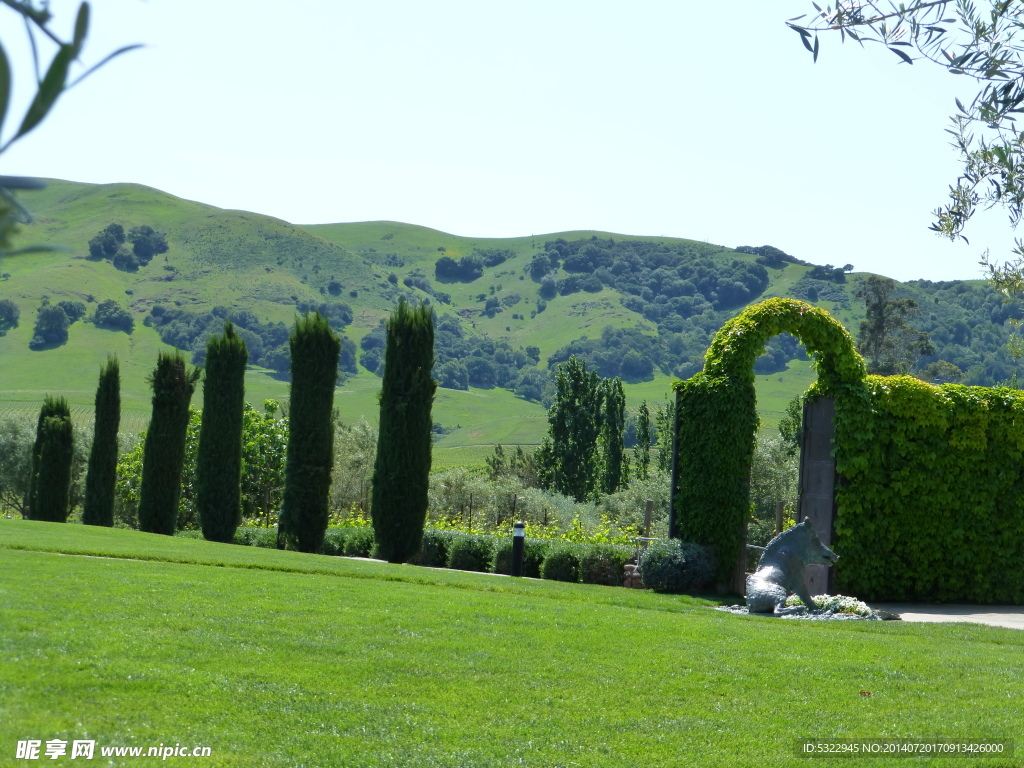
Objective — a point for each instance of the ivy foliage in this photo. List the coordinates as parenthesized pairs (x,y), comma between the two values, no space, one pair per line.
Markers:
(717,408)
(931,506)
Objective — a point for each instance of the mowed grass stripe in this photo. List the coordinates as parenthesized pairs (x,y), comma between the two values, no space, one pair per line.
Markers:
(273,668)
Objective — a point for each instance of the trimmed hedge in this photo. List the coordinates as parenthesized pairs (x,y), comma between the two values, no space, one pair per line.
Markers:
(604,564)
(471,552)
(434,549)
(671,565)
(562,562)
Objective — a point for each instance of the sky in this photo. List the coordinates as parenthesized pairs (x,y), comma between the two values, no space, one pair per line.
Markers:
(497,118)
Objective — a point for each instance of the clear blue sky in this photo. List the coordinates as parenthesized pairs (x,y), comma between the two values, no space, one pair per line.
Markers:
(705,120)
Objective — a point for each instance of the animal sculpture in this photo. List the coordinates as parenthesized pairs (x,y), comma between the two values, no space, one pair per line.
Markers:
(780,572)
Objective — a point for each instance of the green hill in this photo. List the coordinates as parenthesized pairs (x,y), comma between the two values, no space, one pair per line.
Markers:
(641,307)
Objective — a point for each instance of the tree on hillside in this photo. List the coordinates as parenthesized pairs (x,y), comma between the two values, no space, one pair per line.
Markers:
(51,462)
(16,442)
(147,243)
(985,45)
(102,474)
(107,242)
(219,463)
(886,340)
(314,351)
(51,327)
(401,472)
(164,453)
(568,455)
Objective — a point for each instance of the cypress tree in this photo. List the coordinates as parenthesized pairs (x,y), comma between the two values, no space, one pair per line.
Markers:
(164,452)
(613,423)
(102,475)
(642,452)
(219,460)
(50,483)
(310,457)
(402,468)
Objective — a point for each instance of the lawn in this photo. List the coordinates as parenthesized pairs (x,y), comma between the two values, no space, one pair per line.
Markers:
(283,659)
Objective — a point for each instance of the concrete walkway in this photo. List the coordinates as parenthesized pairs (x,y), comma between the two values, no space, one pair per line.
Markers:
(1009,616)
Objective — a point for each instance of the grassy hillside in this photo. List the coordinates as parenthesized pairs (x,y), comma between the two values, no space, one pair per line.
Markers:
(246,262)
(283,659)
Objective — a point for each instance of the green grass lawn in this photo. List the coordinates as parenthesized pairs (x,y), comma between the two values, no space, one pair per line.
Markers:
(283,659)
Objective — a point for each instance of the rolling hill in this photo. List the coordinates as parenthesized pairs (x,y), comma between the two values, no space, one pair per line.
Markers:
(506,306)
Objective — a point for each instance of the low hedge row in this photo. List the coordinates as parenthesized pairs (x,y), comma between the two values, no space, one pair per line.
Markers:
(668,566)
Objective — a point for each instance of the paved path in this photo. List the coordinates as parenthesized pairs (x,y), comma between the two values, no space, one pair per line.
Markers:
(1010,616)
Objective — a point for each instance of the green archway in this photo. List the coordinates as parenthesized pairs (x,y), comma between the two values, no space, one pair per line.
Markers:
(717,416)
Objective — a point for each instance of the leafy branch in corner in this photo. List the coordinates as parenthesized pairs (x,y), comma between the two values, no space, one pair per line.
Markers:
(49,86)
(982,45)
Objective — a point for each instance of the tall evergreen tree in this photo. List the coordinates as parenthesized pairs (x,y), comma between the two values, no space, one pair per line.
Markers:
(219,460)
(102,475)
(164,452)
(614,466)
(569,453)
(402,468)
(50,484)
(314,349)
(642,451)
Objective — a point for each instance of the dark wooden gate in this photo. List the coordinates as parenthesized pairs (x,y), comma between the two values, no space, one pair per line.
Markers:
(817,500)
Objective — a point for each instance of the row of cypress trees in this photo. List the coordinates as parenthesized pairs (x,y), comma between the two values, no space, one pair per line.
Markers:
(403,456)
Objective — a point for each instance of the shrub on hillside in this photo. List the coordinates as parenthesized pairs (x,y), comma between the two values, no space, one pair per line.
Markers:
(670,565)
(470,552)
(256,537)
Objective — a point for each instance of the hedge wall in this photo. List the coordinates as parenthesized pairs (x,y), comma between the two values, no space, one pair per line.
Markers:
(930,503)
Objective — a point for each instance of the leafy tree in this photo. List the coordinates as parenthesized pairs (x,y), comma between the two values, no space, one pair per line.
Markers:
(942,372)
(49,493)
(264,447)
(51,327)
(109,314)
(401,472)
(102,476)
(665,420)
(314,354)
(791,426)
(9,314)
(642,449)
(147,243)
(569,452)
(887,341)
(613,423)
(164,454)
(107,242)
(219,461)
(16,443)
(980,41)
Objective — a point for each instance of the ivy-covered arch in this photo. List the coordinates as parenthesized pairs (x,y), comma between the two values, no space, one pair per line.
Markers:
(717,416)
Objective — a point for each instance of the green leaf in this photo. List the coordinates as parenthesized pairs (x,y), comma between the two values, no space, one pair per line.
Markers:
(49,90)
(81,28)
(815,51)
(902,55)
(5,85)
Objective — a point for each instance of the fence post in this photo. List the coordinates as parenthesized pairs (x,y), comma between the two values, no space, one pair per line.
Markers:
(648,514)
(779,505)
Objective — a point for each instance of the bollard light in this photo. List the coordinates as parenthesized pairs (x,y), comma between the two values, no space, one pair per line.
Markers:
(518,547)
